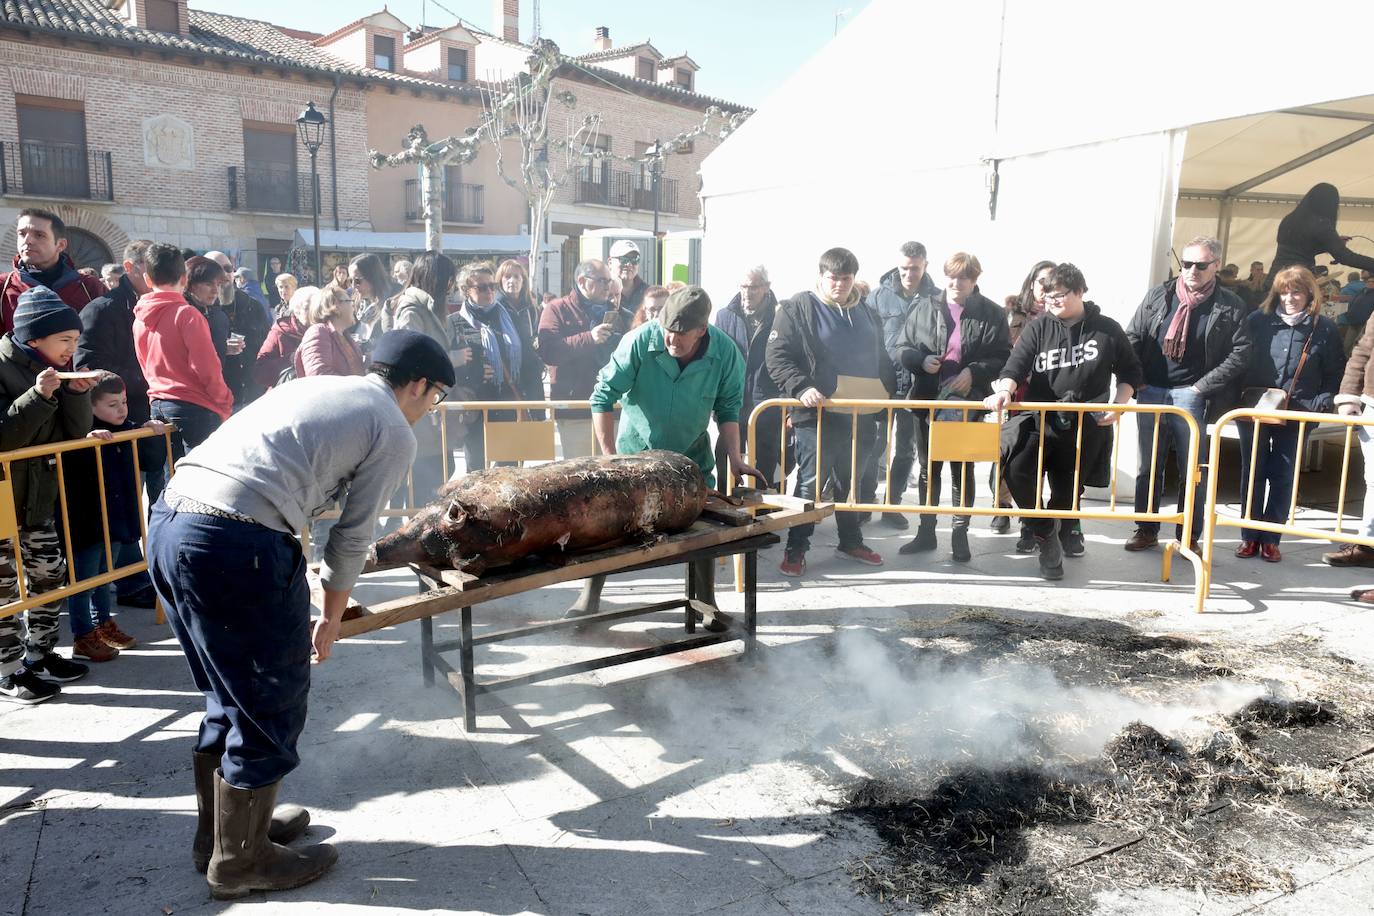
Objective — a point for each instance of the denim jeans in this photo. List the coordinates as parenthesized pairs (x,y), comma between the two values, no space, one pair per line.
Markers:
(1173,432)
(903,457)
(834,466)
(194,424)
(90,561)
(238,602)
(1275,467)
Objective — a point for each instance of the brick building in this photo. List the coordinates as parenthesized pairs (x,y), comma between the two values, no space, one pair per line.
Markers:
(143,118)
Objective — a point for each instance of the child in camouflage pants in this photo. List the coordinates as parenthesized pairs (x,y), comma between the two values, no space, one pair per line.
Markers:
(37,408)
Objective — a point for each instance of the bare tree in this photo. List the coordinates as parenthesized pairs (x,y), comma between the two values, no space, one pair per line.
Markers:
(431,157)
(522,109)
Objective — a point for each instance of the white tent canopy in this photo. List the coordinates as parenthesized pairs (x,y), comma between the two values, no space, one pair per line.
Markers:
(1062,129)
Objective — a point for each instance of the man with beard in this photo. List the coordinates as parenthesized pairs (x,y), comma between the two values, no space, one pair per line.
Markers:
(1193,344)
(748,319)
(248,320)
(43,261)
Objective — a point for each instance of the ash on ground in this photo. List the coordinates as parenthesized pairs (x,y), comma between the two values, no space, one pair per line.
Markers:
(1214,800)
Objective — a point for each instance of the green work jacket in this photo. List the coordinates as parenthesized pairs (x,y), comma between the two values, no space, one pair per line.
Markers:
(664,405)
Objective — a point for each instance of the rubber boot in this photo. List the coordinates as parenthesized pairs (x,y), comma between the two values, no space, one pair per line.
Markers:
(704,571)
(589,602)
(244,859)
(288,821)
(924,539)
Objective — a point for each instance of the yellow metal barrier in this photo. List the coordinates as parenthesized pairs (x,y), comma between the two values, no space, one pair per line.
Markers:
(9,529)
(972,440)
(1213,519)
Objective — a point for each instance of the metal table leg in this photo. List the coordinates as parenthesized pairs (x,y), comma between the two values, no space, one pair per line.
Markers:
(689,615)
(427,650)
(466,669)
(751,601)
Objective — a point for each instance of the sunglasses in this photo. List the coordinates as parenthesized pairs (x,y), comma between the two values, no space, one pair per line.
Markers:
(1200,265)
(628,259)
(482,287)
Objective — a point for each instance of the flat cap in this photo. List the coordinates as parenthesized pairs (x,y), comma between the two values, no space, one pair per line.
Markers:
(418,354)
(688,309)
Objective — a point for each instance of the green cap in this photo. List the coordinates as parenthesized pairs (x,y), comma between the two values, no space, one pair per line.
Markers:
(688,309)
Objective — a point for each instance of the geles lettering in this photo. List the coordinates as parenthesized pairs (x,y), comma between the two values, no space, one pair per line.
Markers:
(1066,356)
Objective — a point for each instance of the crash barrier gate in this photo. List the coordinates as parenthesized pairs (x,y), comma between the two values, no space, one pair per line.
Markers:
(9,520)
(974,437)
(1346,429)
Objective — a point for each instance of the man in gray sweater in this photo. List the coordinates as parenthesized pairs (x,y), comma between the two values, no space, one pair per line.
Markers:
(224,558)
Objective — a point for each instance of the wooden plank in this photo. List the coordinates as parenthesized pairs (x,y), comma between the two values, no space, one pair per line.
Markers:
(501,585)
(726,514)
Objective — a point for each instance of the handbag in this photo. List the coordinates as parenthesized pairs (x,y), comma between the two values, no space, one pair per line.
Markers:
(1275,399)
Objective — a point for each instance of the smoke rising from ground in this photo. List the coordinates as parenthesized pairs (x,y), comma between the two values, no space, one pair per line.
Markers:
(940,706)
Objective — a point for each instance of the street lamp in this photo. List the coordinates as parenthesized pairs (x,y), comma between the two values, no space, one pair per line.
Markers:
(310,126)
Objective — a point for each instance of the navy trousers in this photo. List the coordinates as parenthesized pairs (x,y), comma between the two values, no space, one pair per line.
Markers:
(238,602)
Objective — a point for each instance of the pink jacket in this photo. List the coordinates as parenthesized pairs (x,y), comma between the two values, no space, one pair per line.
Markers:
(325,351)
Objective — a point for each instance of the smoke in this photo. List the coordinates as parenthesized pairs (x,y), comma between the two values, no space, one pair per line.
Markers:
(852,690)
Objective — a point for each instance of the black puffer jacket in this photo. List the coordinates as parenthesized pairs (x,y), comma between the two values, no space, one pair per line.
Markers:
(107,342)
(1227,338)
(985,342)
(796,360)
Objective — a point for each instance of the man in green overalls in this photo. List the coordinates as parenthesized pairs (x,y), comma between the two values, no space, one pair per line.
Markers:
(669,377)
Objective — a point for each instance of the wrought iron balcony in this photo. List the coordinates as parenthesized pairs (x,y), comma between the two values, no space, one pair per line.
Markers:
(270,190)
(38,168)
(631,189)
(463,203)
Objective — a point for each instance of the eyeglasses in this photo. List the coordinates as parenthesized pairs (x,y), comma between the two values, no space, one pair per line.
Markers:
(1057,296)
(482,287)
(600,279)
(440,392)
(631,258)
(752,286)
(1199,265)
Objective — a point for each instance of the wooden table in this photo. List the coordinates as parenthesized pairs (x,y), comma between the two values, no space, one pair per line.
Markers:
(719,532)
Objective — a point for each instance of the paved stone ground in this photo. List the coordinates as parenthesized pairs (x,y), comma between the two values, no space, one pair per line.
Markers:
(650,788)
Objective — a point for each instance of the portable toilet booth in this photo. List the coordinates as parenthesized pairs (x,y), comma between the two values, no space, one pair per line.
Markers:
(682,257)
(596,243)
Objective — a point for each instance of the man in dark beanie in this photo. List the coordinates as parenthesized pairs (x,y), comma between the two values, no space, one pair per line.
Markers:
(38,408)
(669,377)
(224,559)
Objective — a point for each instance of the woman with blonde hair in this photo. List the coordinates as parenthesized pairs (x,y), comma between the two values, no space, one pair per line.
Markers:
(278,351)
(286,286)
(326,348)
(1297,349)
(513,294)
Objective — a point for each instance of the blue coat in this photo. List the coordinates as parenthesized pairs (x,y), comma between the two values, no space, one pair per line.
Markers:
(758,385)
(1277,349)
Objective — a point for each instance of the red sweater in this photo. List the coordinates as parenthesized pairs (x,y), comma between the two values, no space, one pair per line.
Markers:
(172,340)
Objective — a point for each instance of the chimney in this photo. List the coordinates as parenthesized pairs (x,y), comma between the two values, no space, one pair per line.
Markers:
(603,38)
(506,16)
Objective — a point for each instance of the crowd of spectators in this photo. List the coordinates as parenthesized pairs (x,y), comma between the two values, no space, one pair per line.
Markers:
(184,339)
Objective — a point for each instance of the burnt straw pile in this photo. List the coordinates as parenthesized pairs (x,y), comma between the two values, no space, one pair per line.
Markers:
(1219,806)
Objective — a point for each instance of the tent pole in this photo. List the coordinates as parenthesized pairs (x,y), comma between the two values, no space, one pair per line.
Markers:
(1224,224)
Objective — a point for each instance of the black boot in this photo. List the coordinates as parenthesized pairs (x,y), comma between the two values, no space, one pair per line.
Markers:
(1051,554)
(924,539)
(1026,542)
(589,602)
(288,821)
(244,859)
(958,544)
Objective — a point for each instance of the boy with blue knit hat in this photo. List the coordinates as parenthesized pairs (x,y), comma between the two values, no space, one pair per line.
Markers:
(36,408)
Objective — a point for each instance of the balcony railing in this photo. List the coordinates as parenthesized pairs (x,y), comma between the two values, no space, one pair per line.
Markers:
(269,190)
(633,190)
(38,168)
(462,202)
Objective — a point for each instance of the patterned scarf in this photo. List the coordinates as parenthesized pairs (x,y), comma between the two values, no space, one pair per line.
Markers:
(500,343)
(1176,341)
